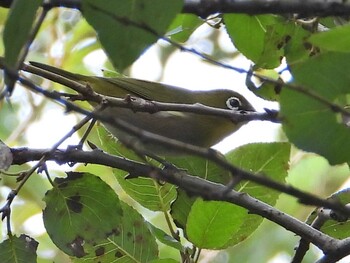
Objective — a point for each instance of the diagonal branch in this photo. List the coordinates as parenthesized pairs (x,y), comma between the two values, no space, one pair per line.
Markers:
(194,185)
(204,8)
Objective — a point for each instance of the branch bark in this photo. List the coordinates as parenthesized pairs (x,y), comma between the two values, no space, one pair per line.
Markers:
(204,8)
(191,184)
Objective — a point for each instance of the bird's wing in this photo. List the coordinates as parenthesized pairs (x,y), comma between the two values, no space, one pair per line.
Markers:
(152,90)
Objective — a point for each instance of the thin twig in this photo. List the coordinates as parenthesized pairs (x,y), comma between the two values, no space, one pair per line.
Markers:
(204,8)
(304,244)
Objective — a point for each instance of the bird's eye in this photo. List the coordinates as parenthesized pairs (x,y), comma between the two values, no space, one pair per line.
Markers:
(233,103)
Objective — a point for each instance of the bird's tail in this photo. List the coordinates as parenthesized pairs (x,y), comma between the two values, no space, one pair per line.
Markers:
(42,69)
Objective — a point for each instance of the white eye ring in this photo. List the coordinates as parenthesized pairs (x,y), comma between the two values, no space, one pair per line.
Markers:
(233,103)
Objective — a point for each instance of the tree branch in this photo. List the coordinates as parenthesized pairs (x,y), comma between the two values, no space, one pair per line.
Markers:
(204,8)
(191,184)
(337,252)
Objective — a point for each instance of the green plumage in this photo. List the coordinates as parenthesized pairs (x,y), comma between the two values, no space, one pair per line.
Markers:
(200,130)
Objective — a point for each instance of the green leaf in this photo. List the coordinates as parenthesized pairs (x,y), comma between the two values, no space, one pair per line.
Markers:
(310,124)
(80,210)
(183,26)
(164,260)
(212,224)
(130,241)
(314,173)
(17,31)
(181,208)
(269,159)
(201,167)
(3,13)
(18,249)
(146,191)
(111,144)
(196,166)
(165,238)
(266,90)
(336,39)
(8,115)
(18,27)
(85,219)
(297,49)
(127,28)
(260,38)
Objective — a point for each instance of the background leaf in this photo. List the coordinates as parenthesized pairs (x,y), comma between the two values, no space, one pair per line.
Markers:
(113,22)
(18,249)
(195,166)
(337,39)
(165,238)
(260,38)
(212,224)
(181,208)
(310,124)
(17,30)
(130,241)
(268,159)
(146,191)
(183,26)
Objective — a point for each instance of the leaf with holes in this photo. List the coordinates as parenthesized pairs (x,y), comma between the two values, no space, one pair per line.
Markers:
(80,210)
(132,242)
(260,38)
(18,249)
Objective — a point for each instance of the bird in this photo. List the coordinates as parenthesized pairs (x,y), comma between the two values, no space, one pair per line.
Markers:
(191,128)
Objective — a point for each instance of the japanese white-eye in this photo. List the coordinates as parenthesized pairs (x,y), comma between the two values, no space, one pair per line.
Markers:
(196,129)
